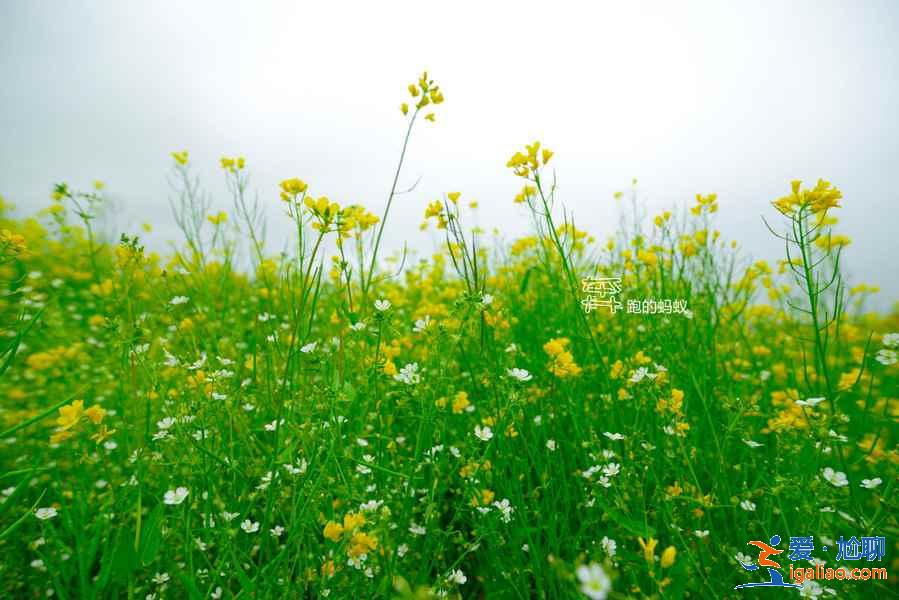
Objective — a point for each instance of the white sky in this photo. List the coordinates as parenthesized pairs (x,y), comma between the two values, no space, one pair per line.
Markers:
(688,97)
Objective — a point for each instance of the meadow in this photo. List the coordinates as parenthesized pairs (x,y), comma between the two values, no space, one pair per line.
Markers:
(234,421)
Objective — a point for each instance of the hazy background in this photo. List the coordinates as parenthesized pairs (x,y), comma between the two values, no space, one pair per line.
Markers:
(687,97)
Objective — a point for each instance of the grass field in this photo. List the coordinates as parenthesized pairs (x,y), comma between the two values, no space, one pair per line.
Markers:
(231,421)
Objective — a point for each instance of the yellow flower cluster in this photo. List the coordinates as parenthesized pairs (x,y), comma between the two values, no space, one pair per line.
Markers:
(423,93)
(526,164)
(291,188)
(360,543)
(561,361)
(816,200)
(71,416)
(180,157)
(526,193)
(232,164)
(707,204)
(13,243)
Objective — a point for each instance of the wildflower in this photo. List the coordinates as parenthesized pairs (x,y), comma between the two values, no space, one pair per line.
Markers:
(649,548)
(561,363)
(871,484)
(382,305)
(614,436)
(161,578)
(180,157)
(609,546)
(460,402)
(250,526)
(505,509)
(747,505)
(217,219)
(701,533)
(45,513)
(519,374)
(409,374)
(817,200)
(457,577)
(668,556)
(176,496)
(416,529)
(422,324)
(276,531)
(361,544)
(179,300)
(835,478)
(485,434)
(308,348)
(551,445)
(70,415)
(887,357)
(595,584)
(810,402)
(891,340)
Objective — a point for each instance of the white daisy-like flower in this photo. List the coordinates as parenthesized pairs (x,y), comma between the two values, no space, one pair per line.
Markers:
(519,374)
(747,505)
(613,436)
(595,584)
(639,375)
(45,513)
(422,324)
(360,326)
(485,434)
(179,300)
(701,533)
(551,445)
(402,549)
(835,478)
(870,484)
(408,374)
(382,305)
(505,508)
(230,516)
(276,531)
(752,443)
(416,529)
(250,526)
(611,469)
(176,496)
(891,340)
(457,577)
(274,425)
(161,578)
(487,299)
(810,403)
(310,347)
(609,546)
(887,357)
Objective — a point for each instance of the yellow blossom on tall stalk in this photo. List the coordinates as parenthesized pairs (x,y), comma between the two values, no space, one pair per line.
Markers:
(561,363)
(526,164)
(817,200)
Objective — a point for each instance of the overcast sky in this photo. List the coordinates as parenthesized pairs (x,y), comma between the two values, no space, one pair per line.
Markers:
(726,97)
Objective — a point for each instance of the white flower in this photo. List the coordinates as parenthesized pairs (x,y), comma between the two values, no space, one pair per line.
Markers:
(165,423)
(743,558)
(519,374)
(276,531)
(176,496)
(487,299)
(402,549)
(250,526)
(230,516)
(810,589)
(274,425)
(382,305)
(836,478)
(45,513)
(179,300)
(611,469)
(408,374)
(360,326)
(551,445)
(810,403)
(505,508)
(747,505)
(483,433)
(870,484)
(639,374)
(701,533)
(595,584)
(614,436)
(887,357)
(416,529)
(310,347)
(422,324)
(161,578)
(891,340)
(457,577)
(752,443)
(38,564)
(609,546)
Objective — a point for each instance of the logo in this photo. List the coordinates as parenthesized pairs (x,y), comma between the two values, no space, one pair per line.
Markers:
(765,551)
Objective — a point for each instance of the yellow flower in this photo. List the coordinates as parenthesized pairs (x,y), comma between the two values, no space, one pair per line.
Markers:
(460,402)
(95,414)
(290,188)
(353,521)
(668,557)
(180,157)
(649,548)
(218,219)
(453,196)
(102,434)
(70,415)
(361,543)
(430,117)
(404,108)
(333,531)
